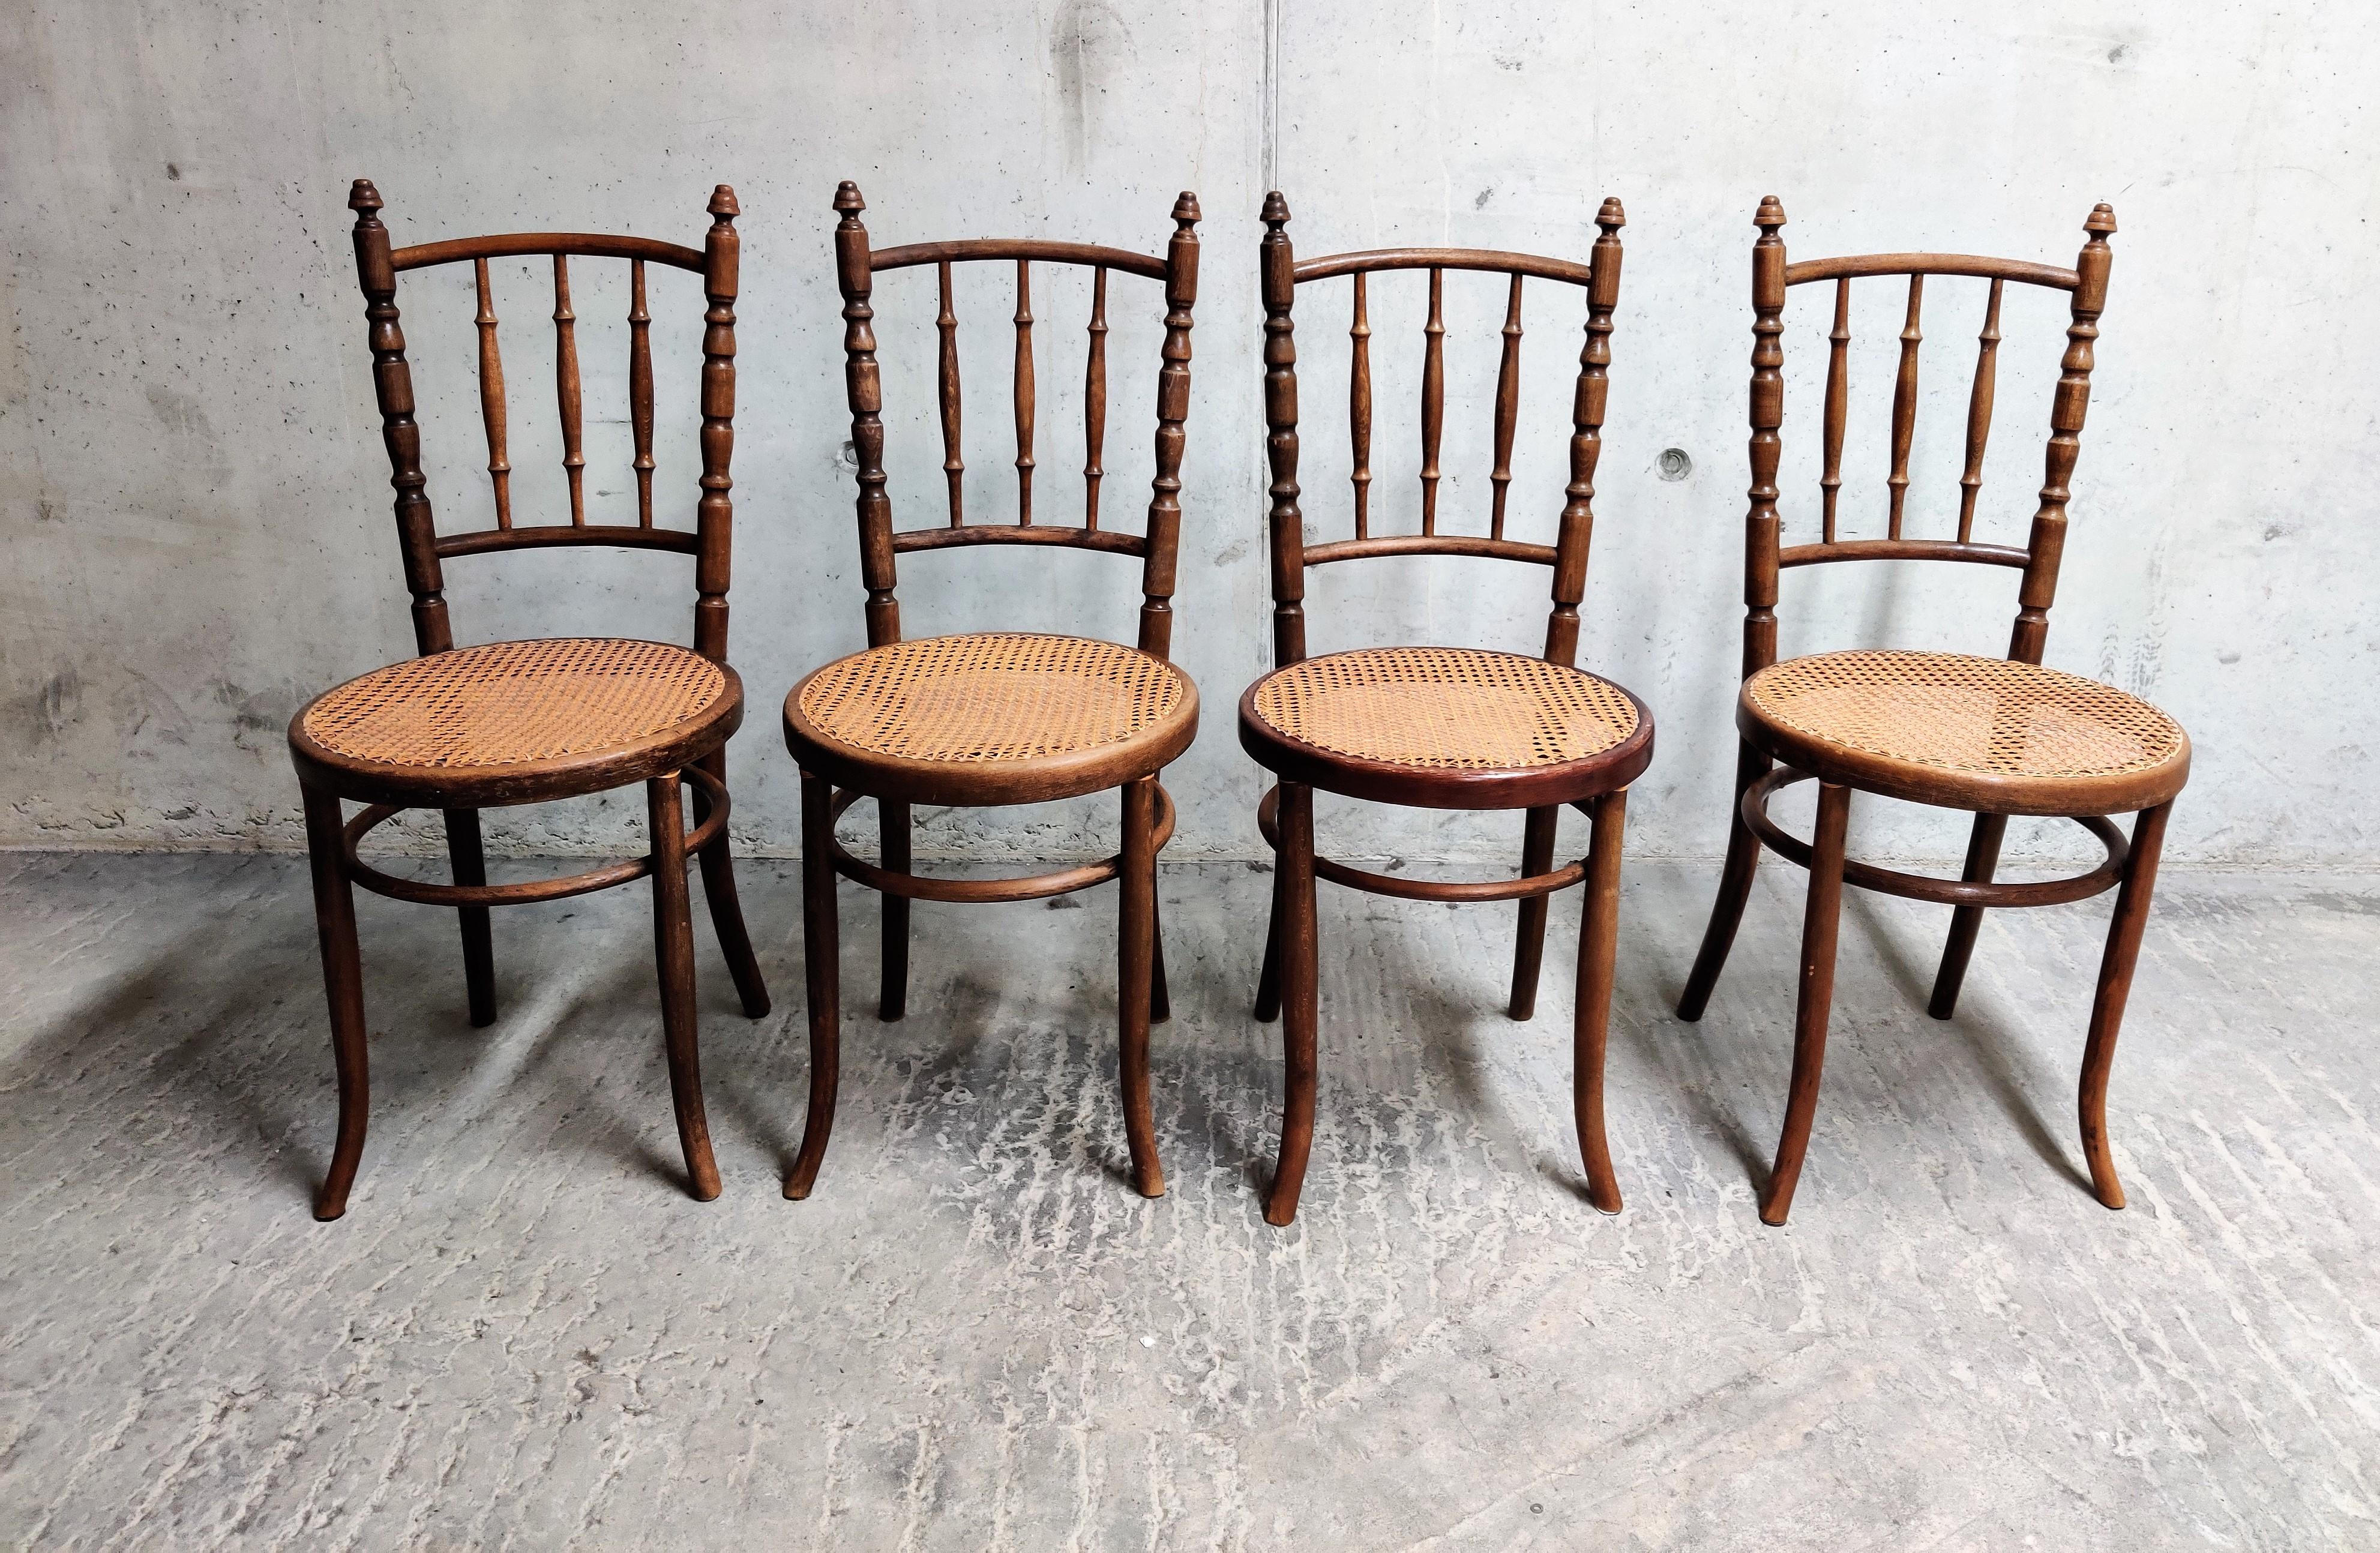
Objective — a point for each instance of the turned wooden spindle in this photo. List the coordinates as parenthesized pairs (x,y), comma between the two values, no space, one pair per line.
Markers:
(946,382)
(714,513)
(1359,408)
(1904,405)
(1433,396)
(1508,409)
(1979,412)
(1761,522)
(1838,341)
(1277,264)
(1094,399)
(492,413)
(1024,392)
(417,530)
(2046,545)
(1173,409)
(640,389)
(864,386)
(565,388)
(1588,404)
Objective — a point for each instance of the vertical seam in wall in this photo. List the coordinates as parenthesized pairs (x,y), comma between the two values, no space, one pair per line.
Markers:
(1272,94)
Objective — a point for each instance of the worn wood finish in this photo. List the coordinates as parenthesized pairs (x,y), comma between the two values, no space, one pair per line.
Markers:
(837,773)
(492,413)
(1598,939)
(689,753)
(640,389)
(1284,816)
(1773,755)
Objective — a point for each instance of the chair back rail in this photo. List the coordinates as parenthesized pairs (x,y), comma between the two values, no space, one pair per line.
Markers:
(1767,556)
(1281,273)
(856,264)
(378,265)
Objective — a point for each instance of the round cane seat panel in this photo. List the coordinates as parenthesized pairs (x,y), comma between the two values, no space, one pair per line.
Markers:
(1445,708)
(506,703)
(990,698)
(1986,717)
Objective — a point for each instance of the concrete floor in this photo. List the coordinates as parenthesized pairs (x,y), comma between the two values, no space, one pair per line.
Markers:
(974,1336)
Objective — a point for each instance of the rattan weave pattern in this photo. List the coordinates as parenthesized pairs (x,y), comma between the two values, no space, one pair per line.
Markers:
(1963,713)
(509,702)
(1444,708)
(991,696)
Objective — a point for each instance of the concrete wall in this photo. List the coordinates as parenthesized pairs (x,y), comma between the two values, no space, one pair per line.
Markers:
(195,500)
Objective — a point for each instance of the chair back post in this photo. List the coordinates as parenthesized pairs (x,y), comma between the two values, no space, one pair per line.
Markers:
(863,385)
(393,386)
(1577,530)
(1276,271)
(1164,529)
(2046,544)
(1762,525)
(714,513)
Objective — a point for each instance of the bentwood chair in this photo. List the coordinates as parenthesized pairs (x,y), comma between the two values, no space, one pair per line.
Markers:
(464,729)
(996,718)
(1439,727)
(1994,737)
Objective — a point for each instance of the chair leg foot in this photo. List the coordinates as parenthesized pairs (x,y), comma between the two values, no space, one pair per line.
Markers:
(1734,890)
(1529,941)
(2116,967)
(820,954)
(1982,861)
(1820,916)
(334,920)
(1599,937)
(1299,1005)
(1135,982)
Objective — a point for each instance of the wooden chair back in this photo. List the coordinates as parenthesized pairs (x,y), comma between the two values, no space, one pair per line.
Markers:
(856,265)
(1766,555)
(425,550)
(1282,273)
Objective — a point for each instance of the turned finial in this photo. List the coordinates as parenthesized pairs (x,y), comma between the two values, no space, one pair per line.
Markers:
(1770,216)
(1611,218)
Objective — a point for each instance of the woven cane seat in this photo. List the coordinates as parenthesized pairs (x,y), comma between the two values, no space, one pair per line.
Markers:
(479,712)
(1969,730)
(991,717)
(1449,719)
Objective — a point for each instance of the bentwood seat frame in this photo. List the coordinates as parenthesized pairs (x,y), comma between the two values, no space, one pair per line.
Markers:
(828,715)
(1594,780)
(525,752)
(1775,753)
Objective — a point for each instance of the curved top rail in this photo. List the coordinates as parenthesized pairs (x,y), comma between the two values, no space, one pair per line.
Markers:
(1852,266)
(965,248)
(592,245)
(1487,260)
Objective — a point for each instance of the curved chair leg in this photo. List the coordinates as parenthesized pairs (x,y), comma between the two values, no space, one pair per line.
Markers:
(1529,943)
(1298,1004)
(1599,937)
(1819,918)
(1983,860)
(478,948)
(1269,979)
(726,911)
(1135,951)
(821,951)
(1734,890)
(674,952)
(343,981)
(892,821)
(2115,985)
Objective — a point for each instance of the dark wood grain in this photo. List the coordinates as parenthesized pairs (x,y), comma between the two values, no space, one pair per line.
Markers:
(1979,412)
(492,412)
(640,391)
(1508,410)
(1094,399)
(566,390)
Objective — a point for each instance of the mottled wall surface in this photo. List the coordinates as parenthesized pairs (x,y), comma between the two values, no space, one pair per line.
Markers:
(195,500)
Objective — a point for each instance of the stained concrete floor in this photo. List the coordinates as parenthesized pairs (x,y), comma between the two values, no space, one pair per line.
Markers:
(524,1334)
